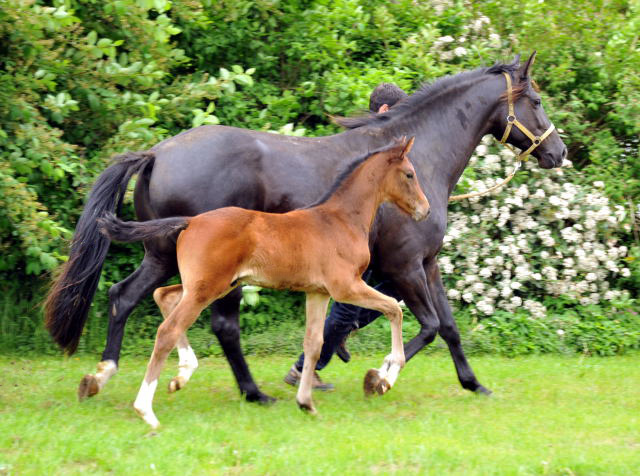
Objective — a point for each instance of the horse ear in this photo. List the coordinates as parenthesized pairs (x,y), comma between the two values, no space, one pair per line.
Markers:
(524,72)
(408,146)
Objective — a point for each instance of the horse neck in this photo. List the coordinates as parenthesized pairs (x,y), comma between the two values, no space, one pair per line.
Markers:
(357,199)
(448,127)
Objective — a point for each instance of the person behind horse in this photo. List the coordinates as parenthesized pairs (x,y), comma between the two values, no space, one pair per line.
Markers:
(345,318)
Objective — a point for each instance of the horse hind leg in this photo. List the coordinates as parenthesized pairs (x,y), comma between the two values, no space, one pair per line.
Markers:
(167,298)
(449,332)
(226,327)
(169,332)
(194,299)
(123,297)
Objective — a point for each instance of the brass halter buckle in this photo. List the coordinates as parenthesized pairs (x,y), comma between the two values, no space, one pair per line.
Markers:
(513,121)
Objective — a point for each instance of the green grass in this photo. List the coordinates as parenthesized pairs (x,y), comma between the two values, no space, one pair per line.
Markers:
(548,415)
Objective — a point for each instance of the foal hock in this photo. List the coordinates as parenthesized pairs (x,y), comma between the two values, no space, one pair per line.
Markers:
(321,250)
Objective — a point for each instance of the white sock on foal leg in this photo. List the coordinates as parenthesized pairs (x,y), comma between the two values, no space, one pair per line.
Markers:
(187,364)
(144,403)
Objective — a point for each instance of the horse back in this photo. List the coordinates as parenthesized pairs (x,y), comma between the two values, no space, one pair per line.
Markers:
(211,167)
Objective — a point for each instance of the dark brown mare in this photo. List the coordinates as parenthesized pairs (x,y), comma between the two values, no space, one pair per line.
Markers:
(321,250)
(215,166)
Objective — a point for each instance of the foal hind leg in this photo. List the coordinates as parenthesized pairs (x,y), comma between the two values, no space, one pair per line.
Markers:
(226,327)
(379,380)
(167,299)
(123,297)
(449,331)
(177,323)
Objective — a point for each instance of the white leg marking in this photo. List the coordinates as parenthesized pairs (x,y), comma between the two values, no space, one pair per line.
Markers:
(106,370)
(144,403)
(187,364)
(391,369)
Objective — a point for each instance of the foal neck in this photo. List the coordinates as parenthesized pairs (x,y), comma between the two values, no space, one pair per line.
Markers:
(358,197)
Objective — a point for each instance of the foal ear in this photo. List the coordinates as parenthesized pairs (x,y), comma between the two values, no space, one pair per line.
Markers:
(407,148)
(524,72)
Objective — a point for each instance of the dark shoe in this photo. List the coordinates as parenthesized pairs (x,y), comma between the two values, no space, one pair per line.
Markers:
(342,351)
(294,376)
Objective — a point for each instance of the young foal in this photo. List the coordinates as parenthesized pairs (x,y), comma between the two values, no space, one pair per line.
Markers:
(321,250)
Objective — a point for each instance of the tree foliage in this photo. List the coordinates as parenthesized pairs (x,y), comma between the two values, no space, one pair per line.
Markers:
(81,80)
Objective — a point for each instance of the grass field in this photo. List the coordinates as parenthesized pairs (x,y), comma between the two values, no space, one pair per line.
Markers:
(548,415)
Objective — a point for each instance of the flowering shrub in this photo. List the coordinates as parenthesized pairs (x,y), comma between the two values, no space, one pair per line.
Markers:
(546,237)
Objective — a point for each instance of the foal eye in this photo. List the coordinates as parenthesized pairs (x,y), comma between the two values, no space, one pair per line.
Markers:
(409,175)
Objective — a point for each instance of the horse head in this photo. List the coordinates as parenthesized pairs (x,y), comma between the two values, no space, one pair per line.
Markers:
(521,120)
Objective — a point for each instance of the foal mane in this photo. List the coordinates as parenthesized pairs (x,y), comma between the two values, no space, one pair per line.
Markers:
(348,170)
(427,93)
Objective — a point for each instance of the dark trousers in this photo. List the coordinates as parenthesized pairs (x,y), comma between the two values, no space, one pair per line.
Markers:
(343,319)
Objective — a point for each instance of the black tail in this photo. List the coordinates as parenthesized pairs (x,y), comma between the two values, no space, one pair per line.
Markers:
(129,231)
(69,299)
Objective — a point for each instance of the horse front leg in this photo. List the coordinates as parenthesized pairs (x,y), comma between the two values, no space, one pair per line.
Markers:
(379,380)
(226,326)
(123,297)
(412,287)
(449,330)
(316,309)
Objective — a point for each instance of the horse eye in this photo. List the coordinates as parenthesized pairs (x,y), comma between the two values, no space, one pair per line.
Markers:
(409,175)
(537,102)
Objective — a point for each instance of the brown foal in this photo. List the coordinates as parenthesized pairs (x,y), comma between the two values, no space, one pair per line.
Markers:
(321,250)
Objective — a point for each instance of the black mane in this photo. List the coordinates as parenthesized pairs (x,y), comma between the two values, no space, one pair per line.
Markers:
(428,91)
(348,170)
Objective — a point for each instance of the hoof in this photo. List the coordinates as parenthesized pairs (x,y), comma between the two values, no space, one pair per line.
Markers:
(149,418)
(383,386)
(88,387)
(307,408)
(260,398)
(483,391)
(371,381)
(176,384)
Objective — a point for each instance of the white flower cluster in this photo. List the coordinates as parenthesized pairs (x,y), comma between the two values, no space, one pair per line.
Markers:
(546,237)
(477,32)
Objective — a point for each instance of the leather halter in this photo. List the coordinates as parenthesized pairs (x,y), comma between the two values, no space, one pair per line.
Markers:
(511,121)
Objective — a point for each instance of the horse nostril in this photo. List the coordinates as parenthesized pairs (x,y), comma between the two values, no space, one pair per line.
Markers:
(564,152)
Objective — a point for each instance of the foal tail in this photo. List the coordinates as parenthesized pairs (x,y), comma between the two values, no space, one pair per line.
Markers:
(69,299)
(129,231)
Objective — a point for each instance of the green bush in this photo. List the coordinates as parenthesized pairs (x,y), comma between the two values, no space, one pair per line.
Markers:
(81,81)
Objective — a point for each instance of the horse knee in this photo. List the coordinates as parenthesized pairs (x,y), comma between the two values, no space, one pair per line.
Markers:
(226,329)
(394,313)
(313,341)
(429,331)
(449,333)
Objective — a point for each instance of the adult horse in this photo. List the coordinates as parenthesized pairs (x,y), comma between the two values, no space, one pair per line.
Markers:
(211,167)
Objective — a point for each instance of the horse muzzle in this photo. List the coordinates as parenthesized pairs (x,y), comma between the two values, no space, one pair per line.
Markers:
(421,213)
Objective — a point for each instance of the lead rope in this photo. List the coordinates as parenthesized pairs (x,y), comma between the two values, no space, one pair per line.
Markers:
(455,198)
(511,121)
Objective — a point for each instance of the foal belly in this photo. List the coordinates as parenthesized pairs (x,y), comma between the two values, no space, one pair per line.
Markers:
(277,279)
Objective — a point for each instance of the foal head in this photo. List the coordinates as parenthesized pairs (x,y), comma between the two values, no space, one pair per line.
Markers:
(400,184)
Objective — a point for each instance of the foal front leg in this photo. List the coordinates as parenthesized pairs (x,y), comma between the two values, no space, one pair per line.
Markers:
(167,298)
(380,380)
(316,309)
